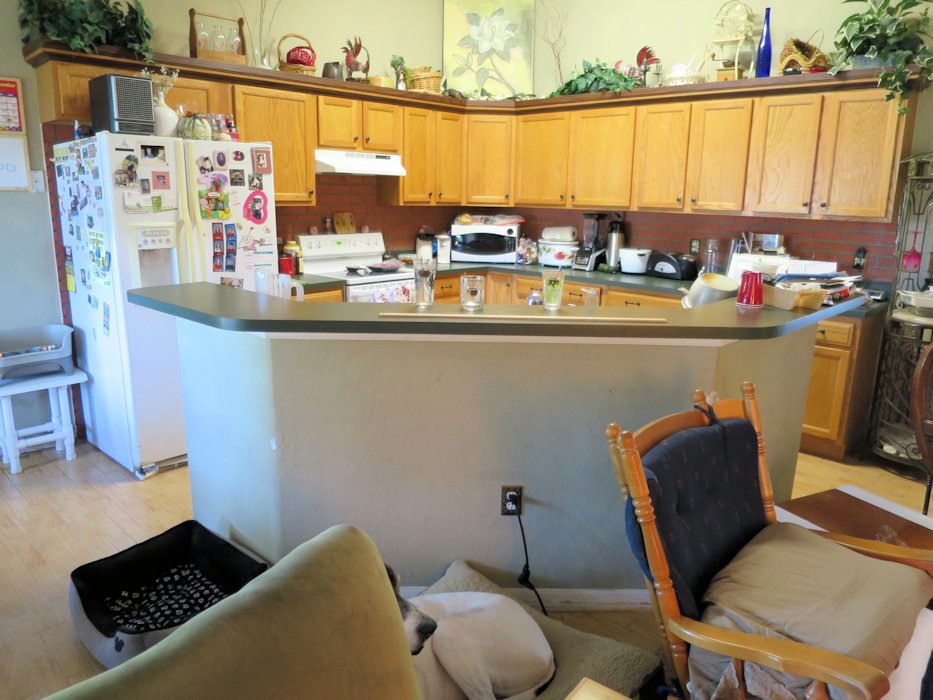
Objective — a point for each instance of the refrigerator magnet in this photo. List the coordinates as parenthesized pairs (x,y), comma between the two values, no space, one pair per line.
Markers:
(106,318)
(153,154)
(217,231)
(237,178)
(255,181)
(230,265)
(262,160)
(256,207)
(98,192)
(238,156)
(204,165)
(161,179)
(220,160)
(145,186)
(219,261)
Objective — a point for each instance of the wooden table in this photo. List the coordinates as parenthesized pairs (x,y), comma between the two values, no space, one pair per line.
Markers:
(588,689)
(849,510)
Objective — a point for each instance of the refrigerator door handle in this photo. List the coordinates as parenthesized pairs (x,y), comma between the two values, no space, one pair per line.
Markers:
(190,248)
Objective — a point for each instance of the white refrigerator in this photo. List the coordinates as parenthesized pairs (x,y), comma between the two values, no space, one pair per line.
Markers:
(141,211)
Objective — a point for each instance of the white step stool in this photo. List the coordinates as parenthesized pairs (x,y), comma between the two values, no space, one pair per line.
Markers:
(59,430)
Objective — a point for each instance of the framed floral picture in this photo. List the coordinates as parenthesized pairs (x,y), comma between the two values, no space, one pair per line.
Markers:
(262,160)
(488,46)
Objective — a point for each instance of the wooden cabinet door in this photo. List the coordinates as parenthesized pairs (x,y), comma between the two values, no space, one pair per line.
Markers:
(63,90)
(542,146)
(498,288)
(382,127)
(661,136)
(204,96)
(827,394)
(418,156)
(449,170)
(489,159)
(602,143)
(286,119)
(338,123)
(617,297)
(718,154)
(855,164)
(447,289)
(782,157)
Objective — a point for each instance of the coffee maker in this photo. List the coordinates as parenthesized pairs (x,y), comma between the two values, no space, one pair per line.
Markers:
(593,248)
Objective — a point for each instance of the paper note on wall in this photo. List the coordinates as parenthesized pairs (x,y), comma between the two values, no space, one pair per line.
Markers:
(14,168)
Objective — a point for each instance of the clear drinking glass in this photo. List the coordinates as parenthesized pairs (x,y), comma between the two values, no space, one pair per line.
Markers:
(472,291)
(425,272)
(552,281)
(590,296)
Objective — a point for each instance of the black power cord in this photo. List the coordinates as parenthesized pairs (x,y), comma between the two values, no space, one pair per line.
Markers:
(525,578)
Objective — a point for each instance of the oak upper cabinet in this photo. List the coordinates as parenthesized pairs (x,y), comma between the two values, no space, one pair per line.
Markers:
(661,136)
(489,159)
(200,96)
(718,155)
(449,167)
(357,125)
(433,157)
(63,91)
(782,157)
(287,120)
(542,146)
(855,167)
(602,144)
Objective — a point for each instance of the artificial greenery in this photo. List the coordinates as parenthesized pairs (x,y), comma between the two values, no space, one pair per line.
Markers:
(596,77)
(892,32)
(83,25)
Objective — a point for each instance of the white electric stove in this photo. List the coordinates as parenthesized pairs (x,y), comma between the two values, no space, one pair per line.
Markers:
(354,258)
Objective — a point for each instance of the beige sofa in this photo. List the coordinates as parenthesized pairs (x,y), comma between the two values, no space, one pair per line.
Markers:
(322,623)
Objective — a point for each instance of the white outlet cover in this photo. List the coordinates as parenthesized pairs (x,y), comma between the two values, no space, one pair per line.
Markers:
(38,181)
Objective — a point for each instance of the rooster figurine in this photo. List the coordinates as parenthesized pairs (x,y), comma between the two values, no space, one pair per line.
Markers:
(352,58)
(646,57)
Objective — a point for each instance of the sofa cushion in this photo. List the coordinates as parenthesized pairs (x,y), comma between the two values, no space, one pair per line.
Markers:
(793,583)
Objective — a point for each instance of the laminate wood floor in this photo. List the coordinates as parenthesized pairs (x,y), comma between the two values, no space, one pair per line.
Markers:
(57,515)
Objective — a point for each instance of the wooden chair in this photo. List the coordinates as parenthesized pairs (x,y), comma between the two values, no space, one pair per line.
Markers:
(921,413)
(856,678)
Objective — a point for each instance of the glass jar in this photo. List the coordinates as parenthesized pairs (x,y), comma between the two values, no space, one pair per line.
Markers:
(218,40)
(235,43)
(204,39)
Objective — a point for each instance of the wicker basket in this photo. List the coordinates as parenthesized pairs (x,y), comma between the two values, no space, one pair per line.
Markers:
(799,54)
(295,67)
(423,79)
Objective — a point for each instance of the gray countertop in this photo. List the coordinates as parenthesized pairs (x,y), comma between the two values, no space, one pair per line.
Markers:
(234,309)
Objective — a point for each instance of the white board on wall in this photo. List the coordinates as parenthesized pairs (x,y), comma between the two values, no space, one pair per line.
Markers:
(14,164)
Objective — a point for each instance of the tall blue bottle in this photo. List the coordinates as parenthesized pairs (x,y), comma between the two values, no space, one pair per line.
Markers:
(763,62)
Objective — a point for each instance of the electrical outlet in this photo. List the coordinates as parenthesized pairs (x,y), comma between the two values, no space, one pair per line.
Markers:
(694,245)
(511,501)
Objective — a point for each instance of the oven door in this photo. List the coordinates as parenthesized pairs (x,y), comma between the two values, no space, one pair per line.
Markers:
(482,247)
(395,292)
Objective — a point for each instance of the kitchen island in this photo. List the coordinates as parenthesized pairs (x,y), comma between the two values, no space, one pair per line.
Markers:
(299,416)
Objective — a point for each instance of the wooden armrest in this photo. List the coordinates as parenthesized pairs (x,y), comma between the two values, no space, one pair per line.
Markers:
(917,558)
(856,678)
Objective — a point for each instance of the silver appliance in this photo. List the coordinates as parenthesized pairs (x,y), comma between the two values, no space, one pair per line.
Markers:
(593,249)
(356,259)
(121,104)
(489,239)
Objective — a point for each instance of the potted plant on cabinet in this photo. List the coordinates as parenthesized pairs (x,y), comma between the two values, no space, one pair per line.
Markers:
(888,34)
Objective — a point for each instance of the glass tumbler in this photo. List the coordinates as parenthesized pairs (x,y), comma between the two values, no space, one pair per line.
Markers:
(425,272)
(552,281)
(472,291)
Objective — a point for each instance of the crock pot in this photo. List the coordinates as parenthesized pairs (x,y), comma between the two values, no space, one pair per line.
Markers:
(557,253)
(634,260)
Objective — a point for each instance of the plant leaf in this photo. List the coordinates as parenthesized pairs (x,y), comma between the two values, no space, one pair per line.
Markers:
(459,71)
(467,42)
(473,18)
(481,75)
(498,13)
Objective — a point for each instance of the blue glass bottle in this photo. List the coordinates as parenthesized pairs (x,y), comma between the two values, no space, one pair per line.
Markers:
(763,62)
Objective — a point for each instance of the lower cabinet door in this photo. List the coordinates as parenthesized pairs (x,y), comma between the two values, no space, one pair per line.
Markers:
(447,289)
(827,394)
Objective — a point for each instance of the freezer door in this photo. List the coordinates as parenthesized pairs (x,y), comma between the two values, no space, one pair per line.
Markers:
(231,209)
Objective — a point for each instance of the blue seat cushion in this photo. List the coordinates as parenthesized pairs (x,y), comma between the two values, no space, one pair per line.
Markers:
(705,490)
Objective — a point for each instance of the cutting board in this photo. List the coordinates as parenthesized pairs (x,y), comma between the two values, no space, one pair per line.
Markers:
(344,223)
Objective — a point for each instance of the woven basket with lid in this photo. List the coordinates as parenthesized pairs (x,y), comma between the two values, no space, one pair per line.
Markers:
(423,79)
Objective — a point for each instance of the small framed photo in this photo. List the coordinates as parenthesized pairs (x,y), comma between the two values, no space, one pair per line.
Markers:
(262,160)
(145,186)
(161,180)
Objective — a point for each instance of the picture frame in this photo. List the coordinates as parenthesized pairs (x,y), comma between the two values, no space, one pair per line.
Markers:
(262,160)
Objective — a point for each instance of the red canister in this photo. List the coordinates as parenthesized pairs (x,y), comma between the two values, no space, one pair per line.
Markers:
(287,264)
(751,290)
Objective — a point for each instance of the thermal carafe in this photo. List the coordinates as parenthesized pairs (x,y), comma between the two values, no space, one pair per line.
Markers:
(615,241)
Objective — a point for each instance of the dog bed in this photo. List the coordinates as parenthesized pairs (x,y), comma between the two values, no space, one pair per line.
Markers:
(123,604)
(616,665)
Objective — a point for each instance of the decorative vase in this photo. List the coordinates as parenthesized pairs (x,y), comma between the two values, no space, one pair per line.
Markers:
(166,120)
(763,61)
(261,58)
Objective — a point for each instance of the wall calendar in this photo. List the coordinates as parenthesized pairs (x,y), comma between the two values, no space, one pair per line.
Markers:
(14,154)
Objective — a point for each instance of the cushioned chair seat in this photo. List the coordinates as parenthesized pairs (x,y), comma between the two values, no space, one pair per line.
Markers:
(125,603)
(790,582)
(322,623)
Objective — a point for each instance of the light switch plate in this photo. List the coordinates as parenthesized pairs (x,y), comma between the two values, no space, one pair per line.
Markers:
(38,181)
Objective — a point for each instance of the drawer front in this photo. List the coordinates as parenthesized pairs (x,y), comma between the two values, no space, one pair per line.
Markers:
(522,286)
(447,289)
(835,333)
(574,295)
(327,295)
(615,297)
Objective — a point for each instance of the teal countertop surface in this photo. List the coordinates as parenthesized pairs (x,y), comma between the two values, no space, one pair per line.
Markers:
(637,283)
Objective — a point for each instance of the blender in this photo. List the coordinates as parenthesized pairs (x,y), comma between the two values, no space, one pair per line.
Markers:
(593,249)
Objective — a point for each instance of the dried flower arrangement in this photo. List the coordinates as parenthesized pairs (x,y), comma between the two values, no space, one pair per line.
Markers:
(162,80)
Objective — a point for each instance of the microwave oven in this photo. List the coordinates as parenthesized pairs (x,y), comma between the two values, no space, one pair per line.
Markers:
(489,242)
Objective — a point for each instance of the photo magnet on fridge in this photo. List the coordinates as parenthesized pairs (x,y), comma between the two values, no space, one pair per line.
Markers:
(220,160)
(161,179)
(204,165)
(262,160)
(255,181)
(153,154)
(144,186)
(237,178)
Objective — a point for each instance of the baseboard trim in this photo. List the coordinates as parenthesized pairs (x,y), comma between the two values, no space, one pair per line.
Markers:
(570,599)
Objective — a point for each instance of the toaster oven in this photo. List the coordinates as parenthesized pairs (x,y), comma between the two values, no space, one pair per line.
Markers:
(484,242)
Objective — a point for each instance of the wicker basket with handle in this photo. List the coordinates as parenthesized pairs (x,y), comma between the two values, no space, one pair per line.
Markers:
(803,55)
(423,79)
(302,50)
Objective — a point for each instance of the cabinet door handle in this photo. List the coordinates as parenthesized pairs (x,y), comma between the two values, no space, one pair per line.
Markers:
(562,198)
(446,286)
(574,294)
(806,204)
(632,303)
(823,205)
(506,195)
(680,200)
(367,139)
(508,284)
(310,193)
(430,194)
(355,139)
(440,195)
(693,200)
(573,198)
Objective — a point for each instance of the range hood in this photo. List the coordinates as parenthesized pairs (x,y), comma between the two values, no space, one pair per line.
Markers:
(327,160)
